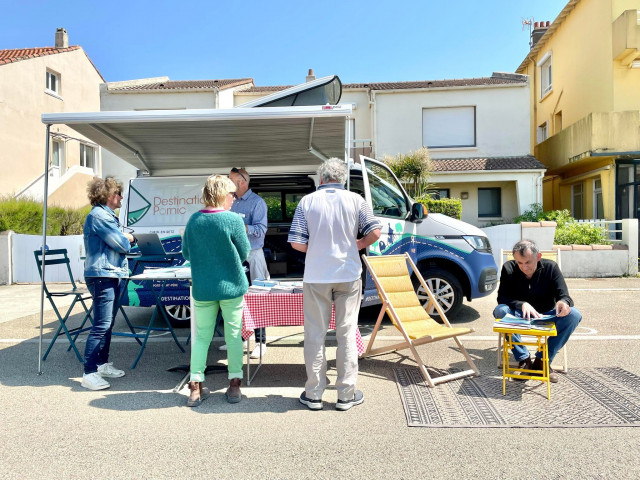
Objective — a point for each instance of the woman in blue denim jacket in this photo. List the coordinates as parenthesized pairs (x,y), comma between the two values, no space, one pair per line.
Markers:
(104,269)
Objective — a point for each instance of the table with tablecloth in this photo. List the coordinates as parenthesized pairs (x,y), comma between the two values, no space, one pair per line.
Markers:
(277,309)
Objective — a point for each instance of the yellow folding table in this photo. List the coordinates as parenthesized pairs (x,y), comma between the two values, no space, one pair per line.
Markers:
(540,342)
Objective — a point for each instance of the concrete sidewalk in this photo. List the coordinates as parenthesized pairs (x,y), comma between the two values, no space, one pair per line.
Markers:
(52,428)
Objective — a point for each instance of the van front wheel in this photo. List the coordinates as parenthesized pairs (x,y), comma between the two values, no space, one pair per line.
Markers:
(445,287)
(179,315)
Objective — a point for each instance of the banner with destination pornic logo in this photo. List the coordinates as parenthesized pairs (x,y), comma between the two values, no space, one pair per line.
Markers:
(155,202)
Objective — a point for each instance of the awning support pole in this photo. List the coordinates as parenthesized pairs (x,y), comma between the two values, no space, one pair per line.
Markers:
(44,242)
(122,144)
(347,150)
(312,149)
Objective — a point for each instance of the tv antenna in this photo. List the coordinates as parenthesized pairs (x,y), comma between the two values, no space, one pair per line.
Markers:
(528,22)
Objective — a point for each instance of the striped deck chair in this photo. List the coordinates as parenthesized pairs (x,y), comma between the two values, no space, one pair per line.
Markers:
(393,281)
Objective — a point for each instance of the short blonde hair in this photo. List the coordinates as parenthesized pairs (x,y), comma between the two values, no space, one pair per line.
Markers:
(216,189)
(99,190)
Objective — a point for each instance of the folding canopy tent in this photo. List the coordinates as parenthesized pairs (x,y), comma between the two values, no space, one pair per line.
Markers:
(179,142)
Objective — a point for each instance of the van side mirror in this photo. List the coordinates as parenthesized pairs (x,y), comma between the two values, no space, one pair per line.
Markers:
(418,212)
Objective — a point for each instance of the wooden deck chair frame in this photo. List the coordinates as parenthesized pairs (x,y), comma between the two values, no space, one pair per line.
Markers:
(387,306)
(556,257)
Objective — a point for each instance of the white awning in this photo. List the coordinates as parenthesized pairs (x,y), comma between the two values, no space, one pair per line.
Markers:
(170,142)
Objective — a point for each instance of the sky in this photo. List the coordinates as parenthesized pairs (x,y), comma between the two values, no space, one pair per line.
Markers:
(275,42)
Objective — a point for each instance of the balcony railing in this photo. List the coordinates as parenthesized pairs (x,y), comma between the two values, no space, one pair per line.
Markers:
(612,228)
(360,147)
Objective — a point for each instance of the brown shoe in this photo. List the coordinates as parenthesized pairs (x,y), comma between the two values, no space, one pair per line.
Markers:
(537,365)
(526,364)
(233,393)
(198,393)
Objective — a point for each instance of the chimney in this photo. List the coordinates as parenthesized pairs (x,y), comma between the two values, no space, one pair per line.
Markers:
(310,76)
(62,40)
(539,29)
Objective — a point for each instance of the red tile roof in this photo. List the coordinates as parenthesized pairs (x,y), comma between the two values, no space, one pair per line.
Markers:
(184,85)
(498,78)
(525,162)
(17,54)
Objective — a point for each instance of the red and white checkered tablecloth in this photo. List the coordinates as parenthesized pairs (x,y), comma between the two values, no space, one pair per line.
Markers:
(279,309)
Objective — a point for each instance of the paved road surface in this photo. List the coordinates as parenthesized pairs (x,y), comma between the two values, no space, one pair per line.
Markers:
(52,428)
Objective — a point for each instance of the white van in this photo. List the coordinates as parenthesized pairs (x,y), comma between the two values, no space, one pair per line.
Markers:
(281,147)
(454,257)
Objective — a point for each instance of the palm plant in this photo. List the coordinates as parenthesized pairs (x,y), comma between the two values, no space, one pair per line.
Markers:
(413,169)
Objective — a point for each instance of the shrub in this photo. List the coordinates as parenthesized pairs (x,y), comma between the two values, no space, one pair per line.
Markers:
(24,215)
(451,207)
(536,214)
(568,231)
(574,233)
(413,169)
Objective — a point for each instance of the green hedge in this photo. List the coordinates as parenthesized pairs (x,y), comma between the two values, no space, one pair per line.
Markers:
(574,233)
(451,207)
(25,216)
(568,231)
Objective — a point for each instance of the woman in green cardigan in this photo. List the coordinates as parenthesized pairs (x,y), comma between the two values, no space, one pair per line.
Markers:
(216,244)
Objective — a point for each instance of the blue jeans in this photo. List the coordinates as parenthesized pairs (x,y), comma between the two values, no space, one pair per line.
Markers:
(564,326)
(106,293)
(260,335)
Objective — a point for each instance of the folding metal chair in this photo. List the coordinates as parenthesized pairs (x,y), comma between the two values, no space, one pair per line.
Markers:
(59,257)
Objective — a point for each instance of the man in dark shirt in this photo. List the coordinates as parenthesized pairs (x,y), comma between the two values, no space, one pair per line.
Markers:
(531,286)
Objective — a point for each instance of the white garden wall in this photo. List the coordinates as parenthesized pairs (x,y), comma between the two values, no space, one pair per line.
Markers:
(23,260)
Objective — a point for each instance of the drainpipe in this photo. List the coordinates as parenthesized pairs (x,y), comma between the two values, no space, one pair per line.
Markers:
(373,117)
(539,192)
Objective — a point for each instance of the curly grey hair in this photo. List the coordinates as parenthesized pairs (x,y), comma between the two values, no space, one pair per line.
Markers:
(333,170)
(523,245)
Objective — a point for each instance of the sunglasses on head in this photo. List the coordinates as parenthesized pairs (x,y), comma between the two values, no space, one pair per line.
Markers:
(236,170)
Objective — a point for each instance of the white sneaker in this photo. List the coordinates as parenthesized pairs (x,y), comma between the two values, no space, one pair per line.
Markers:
(94,381)
(256,350)
(107,370)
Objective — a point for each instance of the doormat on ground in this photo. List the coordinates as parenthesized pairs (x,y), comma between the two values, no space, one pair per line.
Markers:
(584,397)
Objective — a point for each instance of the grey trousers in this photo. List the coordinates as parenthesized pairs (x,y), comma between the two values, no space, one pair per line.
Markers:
(318,298)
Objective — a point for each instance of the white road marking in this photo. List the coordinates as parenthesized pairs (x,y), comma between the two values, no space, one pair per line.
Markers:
(390,338)
(605,289)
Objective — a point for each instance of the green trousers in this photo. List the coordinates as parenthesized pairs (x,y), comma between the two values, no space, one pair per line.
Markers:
(206,313)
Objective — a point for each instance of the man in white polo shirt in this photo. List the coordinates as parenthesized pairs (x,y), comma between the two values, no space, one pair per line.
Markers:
(325,226)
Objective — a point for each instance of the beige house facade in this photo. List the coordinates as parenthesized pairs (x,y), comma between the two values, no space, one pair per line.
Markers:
(585,108)
(34,81)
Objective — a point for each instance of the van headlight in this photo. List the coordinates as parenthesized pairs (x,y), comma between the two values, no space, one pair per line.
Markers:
(478,242)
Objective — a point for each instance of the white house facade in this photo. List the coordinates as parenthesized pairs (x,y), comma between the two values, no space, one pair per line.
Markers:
(477,130)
